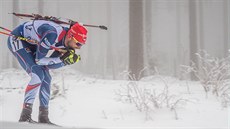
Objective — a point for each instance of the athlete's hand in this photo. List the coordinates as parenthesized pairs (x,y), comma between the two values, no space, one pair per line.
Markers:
(70,57)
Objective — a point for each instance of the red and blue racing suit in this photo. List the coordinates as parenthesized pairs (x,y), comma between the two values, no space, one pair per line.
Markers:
(33,57)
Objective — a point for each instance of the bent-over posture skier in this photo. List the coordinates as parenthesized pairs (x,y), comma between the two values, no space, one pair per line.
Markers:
(33,58)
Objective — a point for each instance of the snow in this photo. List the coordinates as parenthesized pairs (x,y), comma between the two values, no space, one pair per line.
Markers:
(13,125)
(92,102)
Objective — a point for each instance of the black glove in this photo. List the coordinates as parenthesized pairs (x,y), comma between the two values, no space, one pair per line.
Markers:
(70,57)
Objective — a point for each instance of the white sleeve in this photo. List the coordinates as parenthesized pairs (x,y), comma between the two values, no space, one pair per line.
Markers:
(48,61)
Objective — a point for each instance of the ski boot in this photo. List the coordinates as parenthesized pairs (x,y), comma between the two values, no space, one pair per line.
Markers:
(26,114)
(43,116)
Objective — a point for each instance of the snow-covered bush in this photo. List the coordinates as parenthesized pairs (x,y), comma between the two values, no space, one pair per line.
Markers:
(61,79)
(58,87)
(225,94)
(147,99)
(213,74)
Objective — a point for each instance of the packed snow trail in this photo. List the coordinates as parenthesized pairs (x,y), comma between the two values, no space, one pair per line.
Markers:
(15,125)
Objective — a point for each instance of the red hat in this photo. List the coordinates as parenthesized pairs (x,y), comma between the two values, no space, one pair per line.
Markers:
(78,32)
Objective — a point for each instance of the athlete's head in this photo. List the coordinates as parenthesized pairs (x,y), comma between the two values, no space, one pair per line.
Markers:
(76,36)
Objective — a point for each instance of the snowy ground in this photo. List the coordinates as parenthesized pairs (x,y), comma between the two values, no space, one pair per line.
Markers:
(91,102)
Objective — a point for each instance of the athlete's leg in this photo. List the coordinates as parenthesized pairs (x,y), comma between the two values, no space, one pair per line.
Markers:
(26,59)
(44,96)
(44,93)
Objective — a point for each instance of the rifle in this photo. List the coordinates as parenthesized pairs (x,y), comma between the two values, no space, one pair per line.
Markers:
(56,20)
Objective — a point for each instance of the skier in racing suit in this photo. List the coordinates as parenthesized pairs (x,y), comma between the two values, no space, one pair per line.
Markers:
(33,59)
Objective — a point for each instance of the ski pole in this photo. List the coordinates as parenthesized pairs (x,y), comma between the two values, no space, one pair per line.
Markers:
(32,41)
(5,33)
(20,38)
(5,29)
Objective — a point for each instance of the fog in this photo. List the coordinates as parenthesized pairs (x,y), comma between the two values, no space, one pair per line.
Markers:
(151,34)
